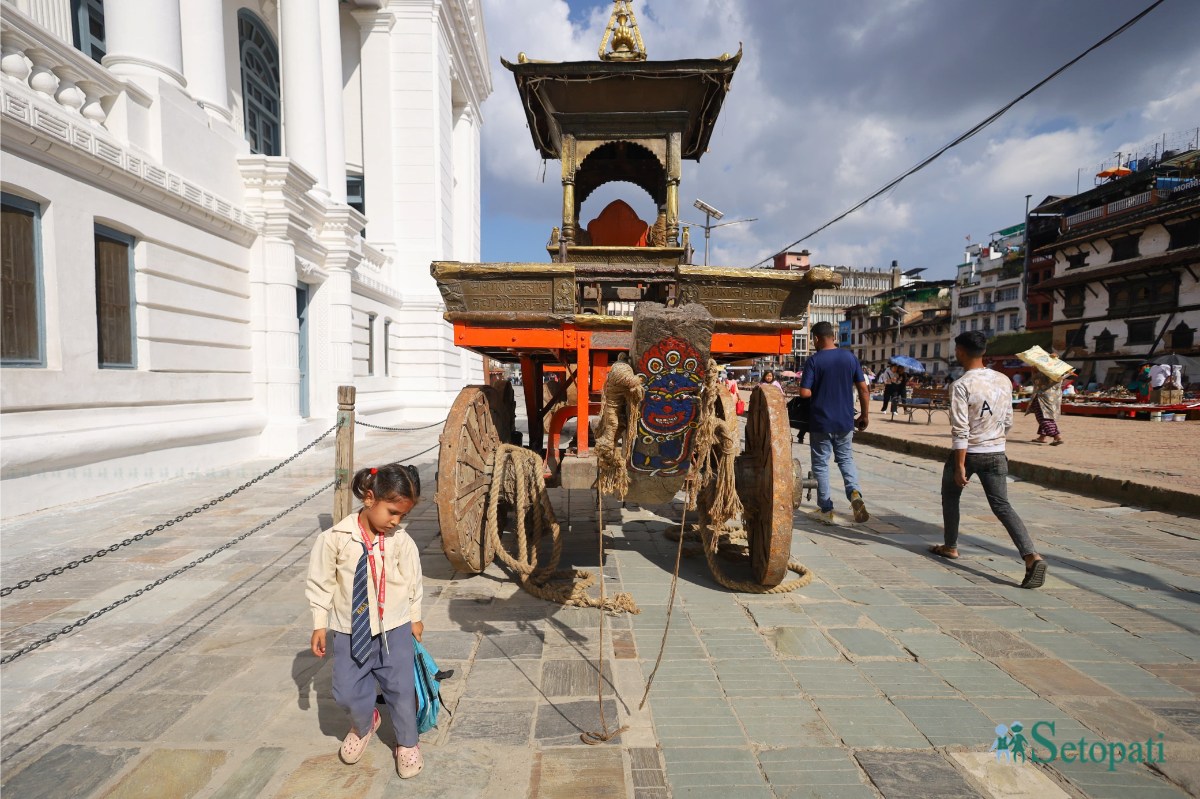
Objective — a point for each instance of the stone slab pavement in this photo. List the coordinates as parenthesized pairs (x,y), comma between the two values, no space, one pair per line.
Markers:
(885,677)
(1143,452)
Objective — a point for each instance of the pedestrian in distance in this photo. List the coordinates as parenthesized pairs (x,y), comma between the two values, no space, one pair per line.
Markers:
(831,378)
(769,381)
(894,385)
(364,588)
(1046,406)
(980,418)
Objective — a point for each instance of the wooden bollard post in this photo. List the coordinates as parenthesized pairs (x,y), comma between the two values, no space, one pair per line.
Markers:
(343,459)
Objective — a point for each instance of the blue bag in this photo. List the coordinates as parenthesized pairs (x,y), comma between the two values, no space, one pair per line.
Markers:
(428,680)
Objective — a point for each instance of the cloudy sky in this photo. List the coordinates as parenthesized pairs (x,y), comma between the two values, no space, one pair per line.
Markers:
(834,98)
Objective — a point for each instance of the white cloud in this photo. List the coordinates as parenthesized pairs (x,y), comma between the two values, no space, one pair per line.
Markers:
(833,100)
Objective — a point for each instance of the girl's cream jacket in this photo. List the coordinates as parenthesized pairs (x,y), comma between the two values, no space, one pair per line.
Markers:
(331,578)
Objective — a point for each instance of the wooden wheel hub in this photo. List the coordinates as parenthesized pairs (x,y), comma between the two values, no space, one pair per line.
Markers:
(765,485)
(464,478)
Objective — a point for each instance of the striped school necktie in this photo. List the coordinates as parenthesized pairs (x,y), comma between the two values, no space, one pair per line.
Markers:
(360,616)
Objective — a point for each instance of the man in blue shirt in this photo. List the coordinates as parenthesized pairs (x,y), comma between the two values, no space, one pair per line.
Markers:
(831,377)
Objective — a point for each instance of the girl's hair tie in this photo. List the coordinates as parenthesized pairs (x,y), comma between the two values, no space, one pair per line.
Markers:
(374,470)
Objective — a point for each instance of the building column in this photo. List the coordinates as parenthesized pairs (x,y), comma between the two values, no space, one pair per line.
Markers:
(674,172)
(304,88)
(204,56)
(375,60)
(335,125)
(143,40)
(464,168)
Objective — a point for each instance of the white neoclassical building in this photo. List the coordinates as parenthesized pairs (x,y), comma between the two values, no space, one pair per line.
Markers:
(217,211)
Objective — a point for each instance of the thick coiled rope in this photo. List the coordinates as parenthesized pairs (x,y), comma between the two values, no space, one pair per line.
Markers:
(521,470)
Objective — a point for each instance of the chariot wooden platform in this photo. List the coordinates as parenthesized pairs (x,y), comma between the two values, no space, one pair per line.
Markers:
(621,118)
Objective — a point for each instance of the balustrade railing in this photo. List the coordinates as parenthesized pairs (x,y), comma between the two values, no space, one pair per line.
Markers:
(57,71)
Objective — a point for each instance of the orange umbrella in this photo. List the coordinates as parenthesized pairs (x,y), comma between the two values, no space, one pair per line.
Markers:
(1114,172)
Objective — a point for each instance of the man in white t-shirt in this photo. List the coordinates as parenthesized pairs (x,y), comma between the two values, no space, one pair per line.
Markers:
(980,418)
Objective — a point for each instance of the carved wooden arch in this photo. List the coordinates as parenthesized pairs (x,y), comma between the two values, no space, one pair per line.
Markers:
(621,161)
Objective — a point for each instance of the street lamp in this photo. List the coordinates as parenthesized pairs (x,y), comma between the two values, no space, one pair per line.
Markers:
(710,214)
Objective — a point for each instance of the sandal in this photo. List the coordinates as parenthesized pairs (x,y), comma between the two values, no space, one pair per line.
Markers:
(353,746)
(409,761)
(1035,575)
(943,551)
(1057,442)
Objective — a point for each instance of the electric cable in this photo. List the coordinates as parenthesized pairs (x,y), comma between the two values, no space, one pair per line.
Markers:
(968,134)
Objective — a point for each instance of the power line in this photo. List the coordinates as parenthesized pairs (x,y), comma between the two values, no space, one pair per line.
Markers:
(967,135)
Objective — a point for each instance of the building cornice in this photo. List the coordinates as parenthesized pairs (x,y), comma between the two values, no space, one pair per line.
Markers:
(47,133)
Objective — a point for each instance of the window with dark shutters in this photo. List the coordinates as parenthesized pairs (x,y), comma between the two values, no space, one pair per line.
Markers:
(20,292)
(114,299)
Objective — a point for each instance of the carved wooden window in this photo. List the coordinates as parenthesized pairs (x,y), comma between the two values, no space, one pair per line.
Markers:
(1073,302)
(260,85)
(1076,260)
(1183,337)
(21,341)
(87,27)
(114,300)
(1148,295)
(1125,248)
(1141,332)
(1105,342)
(1184,234)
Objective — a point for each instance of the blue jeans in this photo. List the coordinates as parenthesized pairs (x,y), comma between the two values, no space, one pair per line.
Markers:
(821,445)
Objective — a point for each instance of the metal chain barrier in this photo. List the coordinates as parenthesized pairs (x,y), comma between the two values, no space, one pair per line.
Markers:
(41,578)
(151,586)
(398,429)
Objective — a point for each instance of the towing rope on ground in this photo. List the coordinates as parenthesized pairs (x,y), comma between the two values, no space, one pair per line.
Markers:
(521,470)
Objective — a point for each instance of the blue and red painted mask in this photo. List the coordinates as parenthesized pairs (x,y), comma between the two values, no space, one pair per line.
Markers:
(674,379)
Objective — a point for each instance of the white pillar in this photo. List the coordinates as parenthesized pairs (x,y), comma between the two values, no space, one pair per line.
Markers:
(303,88)
(142,40)
(376,70)
(204,55)
(463,168)
(335,125)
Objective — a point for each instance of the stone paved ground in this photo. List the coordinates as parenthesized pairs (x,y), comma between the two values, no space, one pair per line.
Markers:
(1154,453)
(883,678)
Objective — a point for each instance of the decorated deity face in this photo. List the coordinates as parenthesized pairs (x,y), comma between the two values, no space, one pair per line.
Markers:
(671,406)
(673,383)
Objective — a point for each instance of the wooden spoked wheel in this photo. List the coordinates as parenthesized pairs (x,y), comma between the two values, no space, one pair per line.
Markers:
(504,409)
(468,442)
(765,485)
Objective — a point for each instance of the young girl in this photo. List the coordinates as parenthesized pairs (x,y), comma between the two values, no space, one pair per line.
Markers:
(364,586)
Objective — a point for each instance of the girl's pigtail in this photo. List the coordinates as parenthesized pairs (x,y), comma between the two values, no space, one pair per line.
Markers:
(364,481)
(415,478)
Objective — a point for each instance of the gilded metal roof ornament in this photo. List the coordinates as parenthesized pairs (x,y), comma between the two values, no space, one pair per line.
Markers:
(622,30)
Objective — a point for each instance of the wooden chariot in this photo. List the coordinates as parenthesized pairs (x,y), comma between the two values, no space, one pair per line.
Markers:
(623,118)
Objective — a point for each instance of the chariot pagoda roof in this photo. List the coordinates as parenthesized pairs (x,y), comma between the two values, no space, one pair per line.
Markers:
(623,93)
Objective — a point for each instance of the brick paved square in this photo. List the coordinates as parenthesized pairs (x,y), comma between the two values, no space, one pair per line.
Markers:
(801,642)
(979,678)
(935,646)
(811,772)
(869,723)
(905,678)
(828,680)
(862,643)
(899,775)
(945,722)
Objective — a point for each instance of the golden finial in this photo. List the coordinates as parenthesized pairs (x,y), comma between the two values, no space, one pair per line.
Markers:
(622,30)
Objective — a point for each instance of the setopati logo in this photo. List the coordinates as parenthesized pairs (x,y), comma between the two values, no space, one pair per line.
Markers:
(1012,746)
